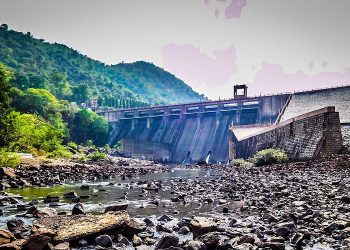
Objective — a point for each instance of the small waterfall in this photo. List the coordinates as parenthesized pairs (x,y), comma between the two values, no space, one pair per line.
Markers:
(208,158)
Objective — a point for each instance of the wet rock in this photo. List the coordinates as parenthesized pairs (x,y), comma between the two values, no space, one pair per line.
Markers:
(184,230)
(201,225)
(167,241)
(163,228)
(104,241)
(78,209)
(116,207)
(49,199)
(84,187)
(164,218)
(71,195)
(6,236)
(82,243)
(195,245)
(15,225)
(37,242)
(148,222)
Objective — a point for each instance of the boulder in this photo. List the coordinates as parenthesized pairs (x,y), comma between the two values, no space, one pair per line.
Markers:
(78,209)
(166,241)
(201,225)
(15,225)
(62,246)
(76,227)
(37,242)
(104,241)
(116,207)
(195,245)
(6,236)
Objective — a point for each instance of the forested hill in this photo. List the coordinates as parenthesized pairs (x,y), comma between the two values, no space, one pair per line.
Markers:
(70,75)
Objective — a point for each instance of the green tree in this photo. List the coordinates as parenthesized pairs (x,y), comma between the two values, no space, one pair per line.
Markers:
(81,93)
(89,126)
(5,101)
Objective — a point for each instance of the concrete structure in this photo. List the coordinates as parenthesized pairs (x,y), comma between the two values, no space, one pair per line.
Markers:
(306,136)
(189,132)
(192,132)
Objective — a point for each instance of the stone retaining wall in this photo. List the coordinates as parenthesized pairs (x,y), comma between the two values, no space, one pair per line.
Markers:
(311,135)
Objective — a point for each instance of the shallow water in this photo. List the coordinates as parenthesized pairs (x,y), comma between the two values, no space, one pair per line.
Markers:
(103,193)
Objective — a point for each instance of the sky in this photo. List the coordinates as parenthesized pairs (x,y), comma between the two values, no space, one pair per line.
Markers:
(273,46)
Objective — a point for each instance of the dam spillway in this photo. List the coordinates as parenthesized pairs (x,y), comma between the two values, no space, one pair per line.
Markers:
(193,132)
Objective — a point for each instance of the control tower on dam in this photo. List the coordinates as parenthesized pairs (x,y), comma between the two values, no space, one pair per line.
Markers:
(192,132)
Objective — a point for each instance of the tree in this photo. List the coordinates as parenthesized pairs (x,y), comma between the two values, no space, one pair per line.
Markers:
(89,126)
(81,93)
(5,101)
(60,86)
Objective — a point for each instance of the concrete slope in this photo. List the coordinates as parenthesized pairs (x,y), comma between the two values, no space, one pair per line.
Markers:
(305,102)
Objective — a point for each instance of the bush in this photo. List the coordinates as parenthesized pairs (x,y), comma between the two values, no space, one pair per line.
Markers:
(241,163)
(270,156)
(90,144)
(82,158)
(72,145)
(8,159)
(61,152)
(97,156)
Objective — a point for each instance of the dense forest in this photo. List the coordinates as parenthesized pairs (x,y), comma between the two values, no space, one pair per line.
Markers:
(69,75)
(43,85)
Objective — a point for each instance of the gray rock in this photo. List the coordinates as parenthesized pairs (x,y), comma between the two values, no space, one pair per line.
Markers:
(104,241)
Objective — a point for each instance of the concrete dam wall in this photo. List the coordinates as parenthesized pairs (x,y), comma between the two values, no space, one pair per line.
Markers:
(193,132)
(190,132)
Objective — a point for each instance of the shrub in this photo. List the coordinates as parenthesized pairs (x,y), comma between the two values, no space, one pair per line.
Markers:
(72,145)
(82,158)
(270,156)
(61,152)
(97,156)
(241,163)
(8,159)
(90,144)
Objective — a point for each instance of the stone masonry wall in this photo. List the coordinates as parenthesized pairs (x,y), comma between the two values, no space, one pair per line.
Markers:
(308,136)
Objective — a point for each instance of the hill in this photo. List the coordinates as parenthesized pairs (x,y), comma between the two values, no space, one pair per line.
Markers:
(73,76)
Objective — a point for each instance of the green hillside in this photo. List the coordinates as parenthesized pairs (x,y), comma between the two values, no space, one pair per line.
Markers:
(70,75)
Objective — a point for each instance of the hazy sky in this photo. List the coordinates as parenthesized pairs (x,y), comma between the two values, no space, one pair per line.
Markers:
(272,45)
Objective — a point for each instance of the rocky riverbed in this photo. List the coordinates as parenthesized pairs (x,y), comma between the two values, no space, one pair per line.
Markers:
(302,205)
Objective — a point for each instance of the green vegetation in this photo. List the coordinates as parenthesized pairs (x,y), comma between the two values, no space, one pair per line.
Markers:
(263,157)
(35,121)
(8,159)
(69,75)
(97,156)
(241,163)
(270,156)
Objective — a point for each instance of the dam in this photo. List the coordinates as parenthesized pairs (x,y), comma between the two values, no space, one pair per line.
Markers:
(198,132)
